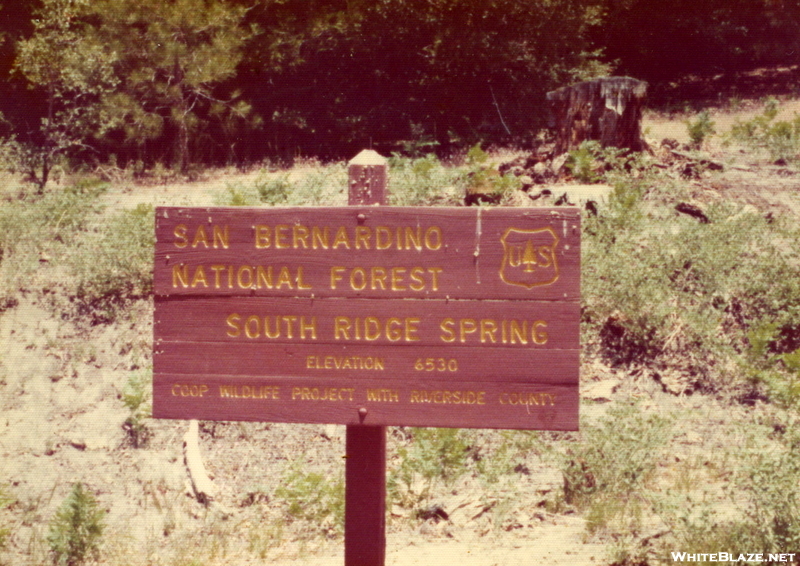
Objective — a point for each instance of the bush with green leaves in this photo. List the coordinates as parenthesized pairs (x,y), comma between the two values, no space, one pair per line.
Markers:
(434,456)
(39,229)
(136,397)
(318,186)
(779,138)
(665,290)
(607,472)
(758,505)
(113,264)
(313,497)
(583,162)
(700,129)
(418,181)
(76,531)
(772,360)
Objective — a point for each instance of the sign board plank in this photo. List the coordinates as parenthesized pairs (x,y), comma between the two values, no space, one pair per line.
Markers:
(462,317)
(370,252)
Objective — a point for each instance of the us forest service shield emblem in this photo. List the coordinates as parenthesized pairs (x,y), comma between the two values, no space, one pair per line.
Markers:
(529,257)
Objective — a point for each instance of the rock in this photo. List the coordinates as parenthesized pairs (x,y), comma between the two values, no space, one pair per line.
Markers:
(600,390)
(580,194)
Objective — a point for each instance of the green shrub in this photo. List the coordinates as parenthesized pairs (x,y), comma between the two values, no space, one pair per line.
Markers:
(780,139)
(316,186)
(76,530)
(768,361)
(607,472)
(584,162)
(114,264)
(700,129)
(37,230)
(319,186)
(434,456)
(418,182)
(682,295)
(136,397)
(761,505)
(315,498)
(273,190)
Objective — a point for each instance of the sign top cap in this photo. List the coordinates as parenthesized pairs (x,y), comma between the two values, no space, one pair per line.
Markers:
(368,157)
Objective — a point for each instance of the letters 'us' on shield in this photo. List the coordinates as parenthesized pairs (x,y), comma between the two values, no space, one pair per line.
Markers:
(453,317)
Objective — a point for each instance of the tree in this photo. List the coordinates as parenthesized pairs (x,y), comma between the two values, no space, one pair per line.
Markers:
(662,40)
(170,57)
(75,74)
(335,75)
(128,71)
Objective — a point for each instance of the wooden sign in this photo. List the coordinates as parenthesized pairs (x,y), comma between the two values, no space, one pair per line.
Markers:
(452,317)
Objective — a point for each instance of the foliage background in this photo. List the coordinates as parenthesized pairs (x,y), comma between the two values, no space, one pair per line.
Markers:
(209,82)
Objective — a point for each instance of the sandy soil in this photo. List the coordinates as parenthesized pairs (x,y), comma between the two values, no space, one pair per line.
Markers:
(62,421)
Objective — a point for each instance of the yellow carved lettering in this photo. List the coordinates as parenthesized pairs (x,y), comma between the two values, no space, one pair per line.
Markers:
(341,238)
(233,322)
(284,278)
(263,239)
(264,277)
(299,279)
(180,234)
(180,275)
(320,237)
(383,238)
(433,238)
(358,279)
(378,278)
(363,237)
(300,236)
(341,328)
(416,276)
(244,277)
(336,275)
(281,237)
(539,336)
(200,237)
(447,327)
(199,277)
(398,274)
(221,236)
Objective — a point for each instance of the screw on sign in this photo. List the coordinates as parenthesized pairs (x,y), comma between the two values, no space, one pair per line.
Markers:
(368,316)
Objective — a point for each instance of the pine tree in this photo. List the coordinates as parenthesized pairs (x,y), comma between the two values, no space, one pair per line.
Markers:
(529,257)
(133,69)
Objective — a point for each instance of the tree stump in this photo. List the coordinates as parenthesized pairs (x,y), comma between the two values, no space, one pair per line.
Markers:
(608,110)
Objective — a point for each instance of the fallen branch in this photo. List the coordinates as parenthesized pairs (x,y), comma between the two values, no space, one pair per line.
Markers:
(204,489)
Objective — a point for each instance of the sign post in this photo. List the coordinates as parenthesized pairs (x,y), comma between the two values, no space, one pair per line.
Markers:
(365,446)
(368,316)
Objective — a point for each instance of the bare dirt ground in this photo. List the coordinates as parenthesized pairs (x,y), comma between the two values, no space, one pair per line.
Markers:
(62,421)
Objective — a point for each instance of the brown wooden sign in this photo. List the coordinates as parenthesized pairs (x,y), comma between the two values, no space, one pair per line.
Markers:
(455,317)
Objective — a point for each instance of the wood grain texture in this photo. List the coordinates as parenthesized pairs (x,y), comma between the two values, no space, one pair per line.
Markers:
(419,402)
(469,253)
(418,316)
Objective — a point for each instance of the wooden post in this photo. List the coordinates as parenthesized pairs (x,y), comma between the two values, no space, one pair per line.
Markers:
(365,464)
(608,110)
(367,174)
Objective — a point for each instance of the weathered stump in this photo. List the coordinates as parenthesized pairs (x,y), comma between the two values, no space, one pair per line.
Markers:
(608,110)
